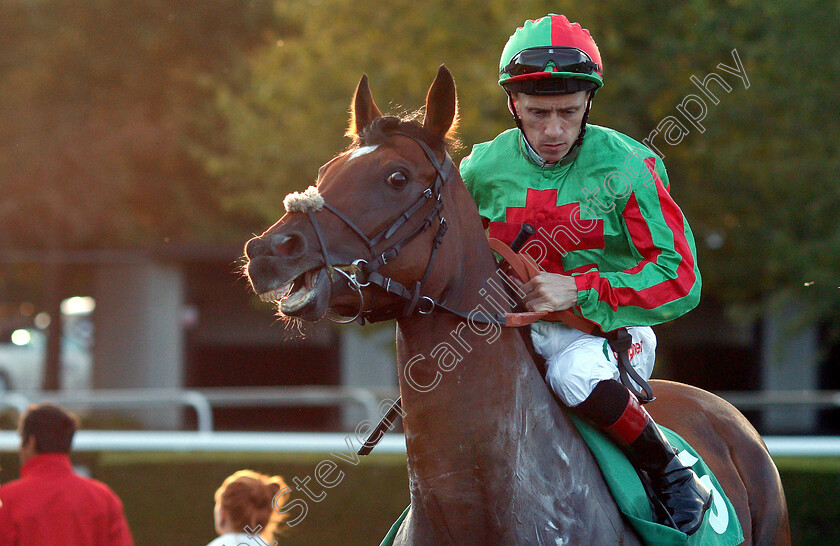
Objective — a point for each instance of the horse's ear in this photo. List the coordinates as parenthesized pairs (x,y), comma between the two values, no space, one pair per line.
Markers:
(363,110)
(441,104)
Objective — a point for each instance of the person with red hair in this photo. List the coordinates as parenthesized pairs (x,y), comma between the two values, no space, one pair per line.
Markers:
(245,509)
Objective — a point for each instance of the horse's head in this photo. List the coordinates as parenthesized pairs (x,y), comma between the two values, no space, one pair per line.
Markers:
(373,216)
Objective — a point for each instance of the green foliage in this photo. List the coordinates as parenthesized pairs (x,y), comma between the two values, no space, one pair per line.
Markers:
(96,98)
(288,116)
(124,123)
(763,178)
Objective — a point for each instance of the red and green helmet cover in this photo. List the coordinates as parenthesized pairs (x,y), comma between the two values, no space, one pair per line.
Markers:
(551,30)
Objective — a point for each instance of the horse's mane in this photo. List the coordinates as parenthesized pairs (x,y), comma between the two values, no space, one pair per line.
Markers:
(384,127)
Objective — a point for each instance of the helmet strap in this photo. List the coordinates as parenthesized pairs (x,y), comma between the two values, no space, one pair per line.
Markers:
(512,108)
(579,141)
(518,121)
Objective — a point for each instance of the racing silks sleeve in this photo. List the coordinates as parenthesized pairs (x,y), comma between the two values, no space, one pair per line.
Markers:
(665,283)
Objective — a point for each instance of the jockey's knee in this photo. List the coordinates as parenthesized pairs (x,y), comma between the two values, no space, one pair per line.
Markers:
(580,362)
(573,377)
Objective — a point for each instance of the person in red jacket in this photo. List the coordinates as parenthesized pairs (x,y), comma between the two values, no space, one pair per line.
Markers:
(50,503)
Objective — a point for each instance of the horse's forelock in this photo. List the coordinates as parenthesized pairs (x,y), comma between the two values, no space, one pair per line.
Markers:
(384,127)
(380,129)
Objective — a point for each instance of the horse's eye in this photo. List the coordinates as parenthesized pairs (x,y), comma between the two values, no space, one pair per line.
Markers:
(397,180)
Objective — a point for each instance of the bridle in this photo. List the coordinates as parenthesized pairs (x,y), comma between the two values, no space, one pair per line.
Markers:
(364,271)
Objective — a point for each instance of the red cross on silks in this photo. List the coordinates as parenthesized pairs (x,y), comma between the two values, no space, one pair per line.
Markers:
(560,230)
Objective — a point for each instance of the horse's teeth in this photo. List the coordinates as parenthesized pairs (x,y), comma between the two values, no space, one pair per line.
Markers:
(277,294)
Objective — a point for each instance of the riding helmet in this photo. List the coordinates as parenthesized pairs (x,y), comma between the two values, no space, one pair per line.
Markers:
(550,55)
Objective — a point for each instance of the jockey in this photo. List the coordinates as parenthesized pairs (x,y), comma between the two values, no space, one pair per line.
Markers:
(610,242)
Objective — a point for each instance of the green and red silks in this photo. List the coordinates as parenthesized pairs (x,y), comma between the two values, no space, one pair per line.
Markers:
(606,217)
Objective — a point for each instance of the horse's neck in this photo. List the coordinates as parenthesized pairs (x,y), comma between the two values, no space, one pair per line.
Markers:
(488,446)
(469,383)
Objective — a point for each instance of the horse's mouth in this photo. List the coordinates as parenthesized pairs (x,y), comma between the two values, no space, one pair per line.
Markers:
(302,294)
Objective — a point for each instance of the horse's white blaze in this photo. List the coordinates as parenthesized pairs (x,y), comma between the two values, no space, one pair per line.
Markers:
(358,152)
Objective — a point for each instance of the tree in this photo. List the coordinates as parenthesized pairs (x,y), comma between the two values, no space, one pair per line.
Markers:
(96,99)
(758,182)
(127,123)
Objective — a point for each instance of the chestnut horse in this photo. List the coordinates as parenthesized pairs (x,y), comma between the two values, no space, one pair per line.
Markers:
(392,232)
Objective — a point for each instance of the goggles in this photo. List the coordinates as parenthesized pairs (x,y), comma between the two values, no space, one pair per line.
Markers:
(536,59)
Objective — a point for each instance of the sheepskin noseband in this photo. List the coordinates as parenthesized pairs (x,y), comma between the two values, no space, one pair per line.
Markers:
(304,202)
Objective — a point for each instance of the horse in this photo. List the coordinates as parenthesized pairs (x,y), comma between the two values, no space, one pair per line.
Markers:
(391,232)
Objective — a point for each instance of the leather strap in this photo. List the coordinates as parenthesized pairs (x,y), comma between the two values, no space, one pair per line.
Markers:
(525,269)
(620,340)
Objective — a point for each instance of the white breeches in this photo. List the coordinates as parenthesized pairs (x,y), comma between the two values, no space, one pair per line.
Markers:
(577,362)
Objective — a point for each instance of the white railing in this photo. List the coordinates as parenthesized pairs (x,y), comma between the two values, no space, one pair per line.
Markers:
(333,442)
(202,401)
(196,441)
(754,400)
(118,398)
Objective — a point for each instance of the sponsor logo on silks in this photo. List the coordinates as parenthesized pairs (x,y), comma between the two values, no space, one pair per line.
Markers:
(635,349)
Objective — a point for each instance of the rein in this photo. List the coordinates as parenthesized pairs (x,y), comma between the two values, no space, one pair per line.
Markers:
(364,272)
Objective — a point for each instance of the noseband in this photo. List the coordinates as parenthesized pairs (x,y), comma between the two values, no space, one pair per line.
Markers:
(363,271)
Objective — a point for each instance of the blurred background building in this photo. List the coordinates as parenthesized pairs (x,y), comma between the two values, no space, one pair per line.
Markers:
(143,142)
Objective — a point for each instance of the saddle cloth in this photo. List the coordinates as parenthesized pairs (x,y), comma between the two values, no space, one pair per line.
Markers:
(720,525)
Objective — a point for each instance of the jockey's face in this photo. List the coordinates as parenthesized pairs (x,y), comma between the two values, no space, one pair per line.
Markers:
(551,122)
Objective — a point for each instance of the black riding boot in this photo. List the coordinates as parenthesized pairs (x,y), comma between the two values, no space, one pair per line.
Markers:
(681,493)
(679,498)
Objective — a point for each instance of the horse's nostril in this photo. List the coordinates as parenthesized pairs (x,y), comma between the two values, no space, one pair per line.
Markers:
(255,247)
(289,244)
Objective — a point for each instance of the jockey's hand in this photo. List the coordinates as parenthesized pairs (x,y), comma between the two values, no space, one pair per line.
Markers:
(550,292)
